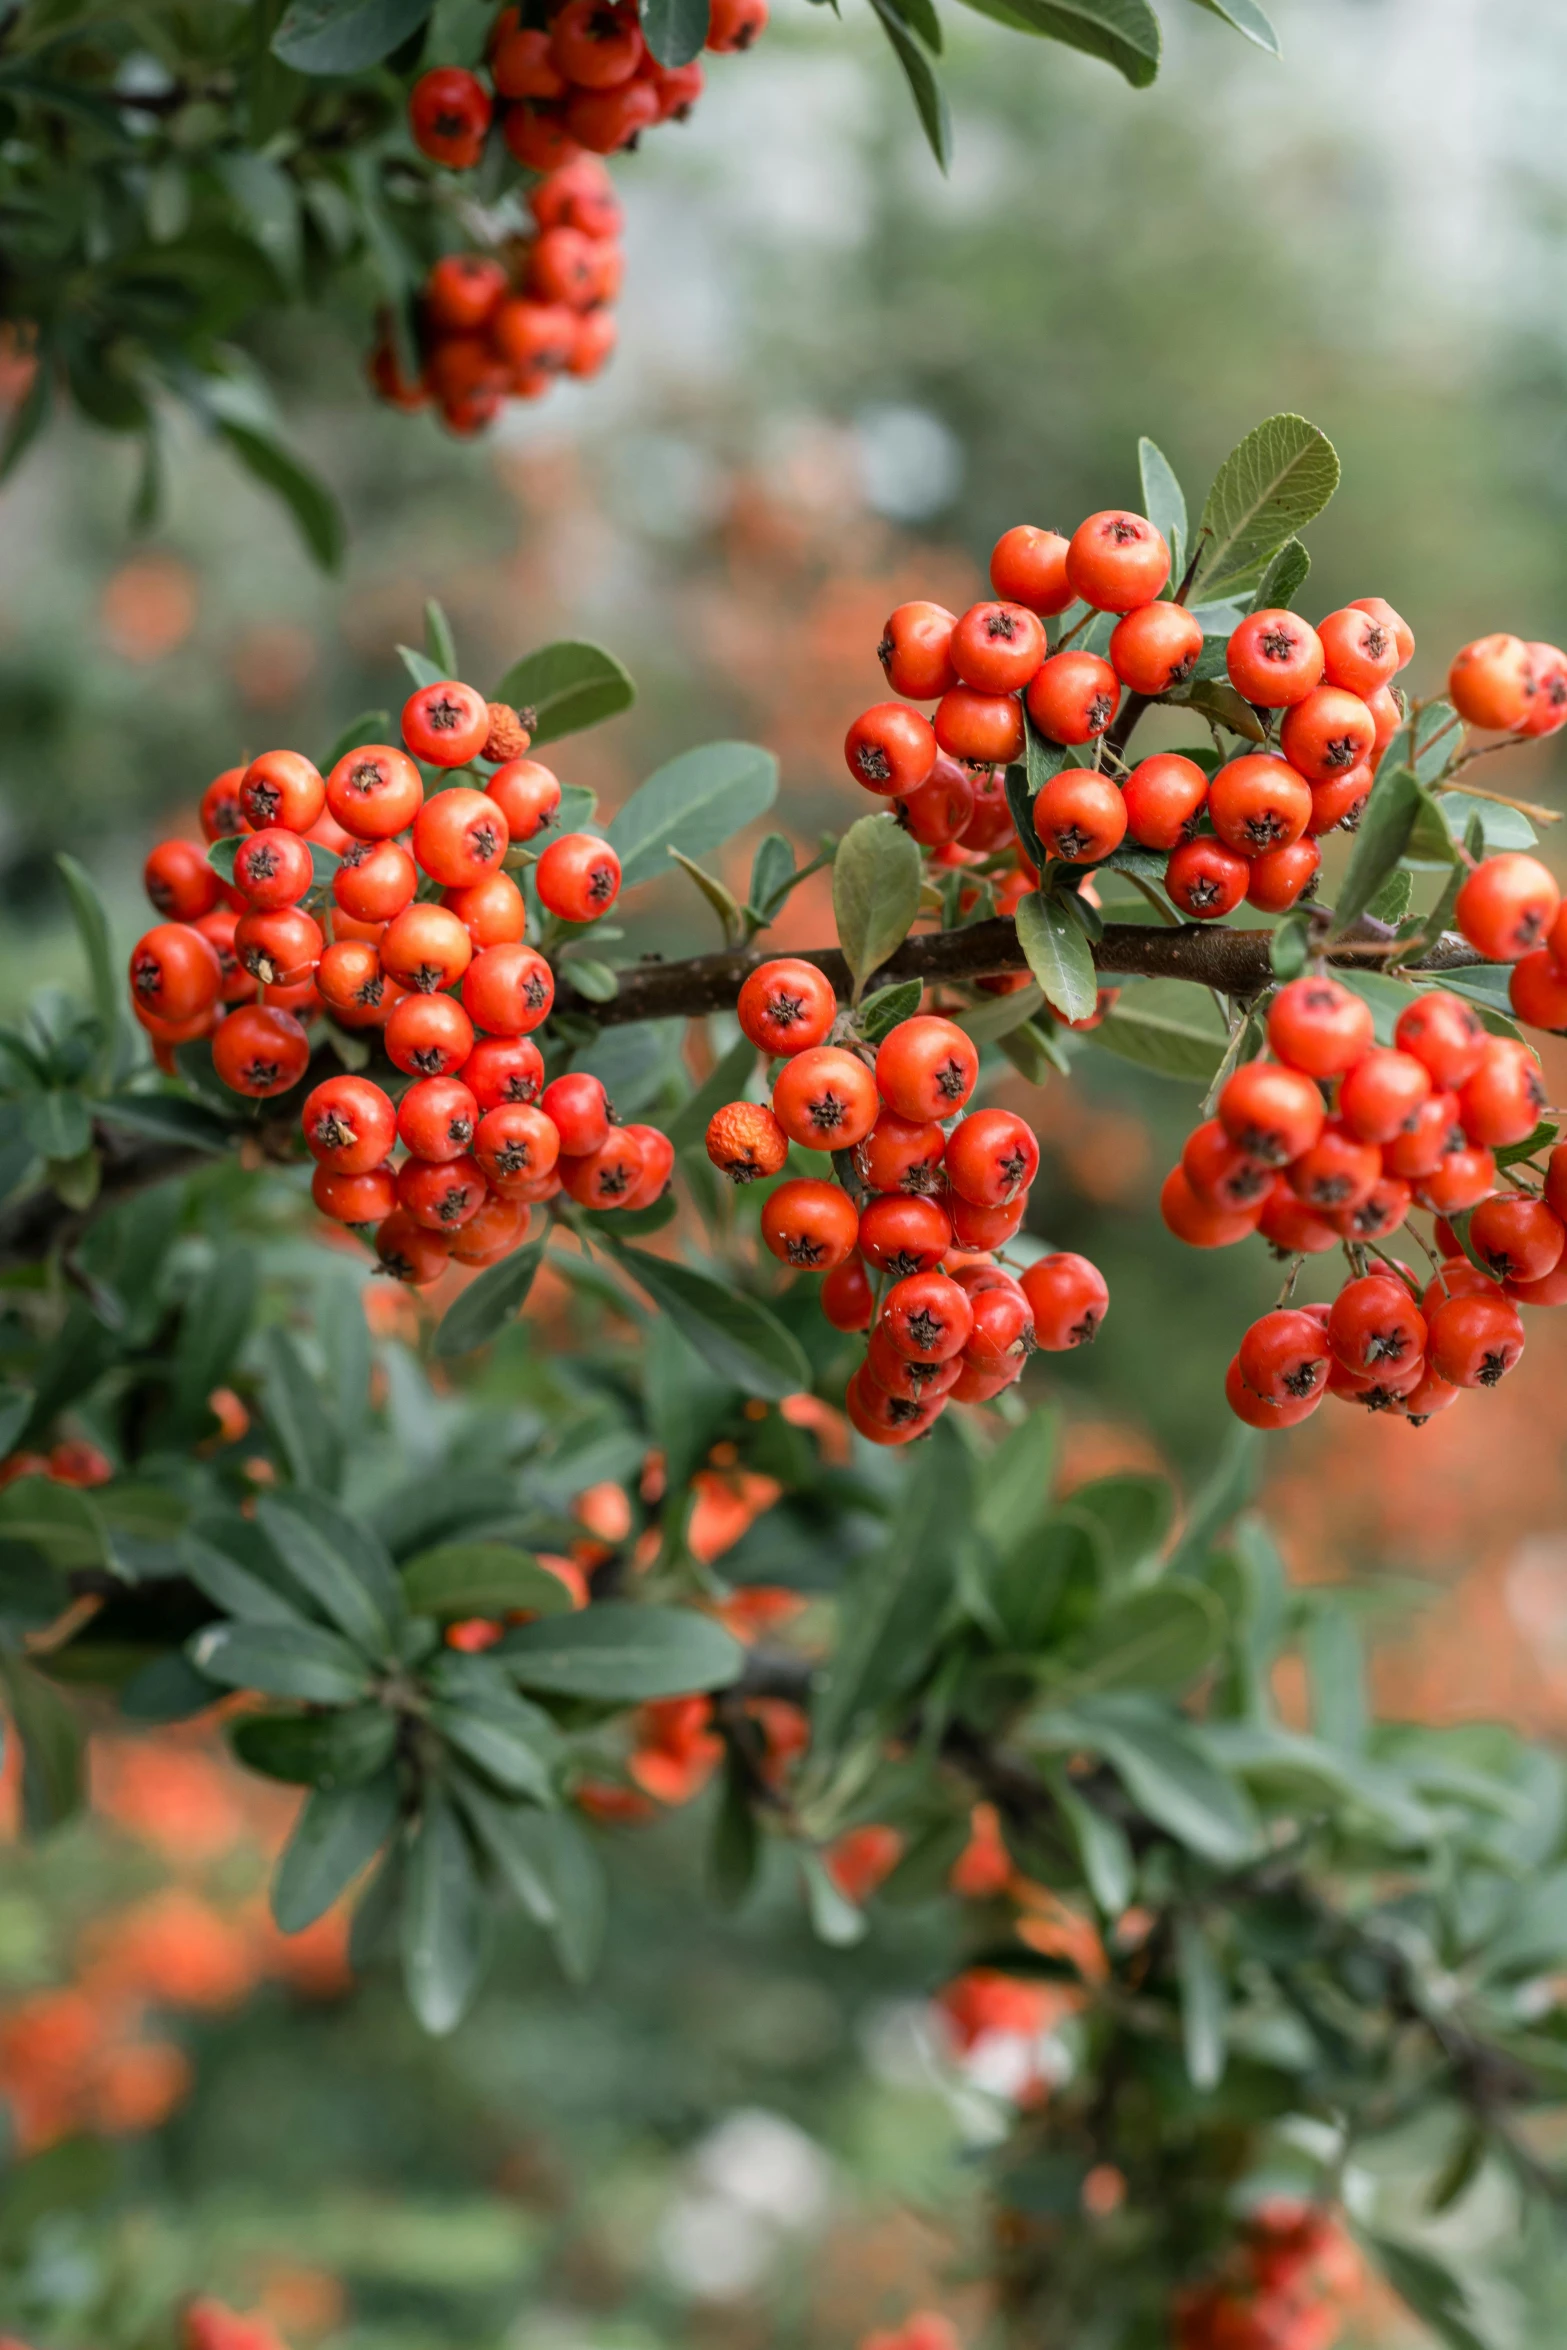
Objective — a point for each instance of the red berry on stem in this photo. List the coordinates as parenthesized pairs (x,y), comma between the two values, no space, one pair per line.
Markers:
(1069,1299)
(1206,879)
(1117,561)
(926,1068)
(809,1224)
(1028,566)
(446,725)
(1274,659)
(786,1006)
(374,791)
(1164,797)
(1073,697)
(825,1099)
(1318,1026)
(578,877)
(1155,648)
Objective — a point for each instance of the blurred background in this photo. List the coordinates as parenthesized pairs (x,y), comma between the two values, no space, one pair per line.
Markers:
(839,378)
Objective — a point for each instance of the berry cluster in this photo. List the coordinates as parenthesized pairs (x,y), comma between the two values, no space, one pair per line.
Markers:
(580,85)
(924,1196)
(498,326)
(420,935)
(1332,1143)
(1283,2288)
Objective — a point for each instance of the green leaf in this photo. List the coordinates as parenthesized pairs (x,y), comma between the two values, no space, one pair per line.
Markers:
(576,1878)
(1247,18)
(1124,33)
(216,1315)
(621,1654)
(1133,1513)
(930,102)
(311,503)
(295,1408)
(1270,485)
(1287,571)
(720,898)
(876,878)
(1434,2291)
(598,981)
(489,1303)
(991,1023)
(1164,501)
(344,36)
(512,1742)
(92,928)
(1166,1024)
(232,1586)
(1289,950)
(283,1660)
(1383,836)
(772,876)
(692,804)
(317,1750)
(1161,1638)
(1043,758)
(1392,900)
(674,30)
(1109,1864)
(16,1409)
(439,641)
(53,1747)
(1205,2004)
(59,1520)
(167,1118)
(1058,955)
(1056,1570)
(338,1833)
(1014,1485)
(333,1576)
(1215,699)
(481,1579)
(567,686)
(735,1853)
(1164,1770)
(881,1012)
(726,1083)
(516,1843)
(733,1332)
(420,667)
(835,1919)
(890,1618)
(371,726)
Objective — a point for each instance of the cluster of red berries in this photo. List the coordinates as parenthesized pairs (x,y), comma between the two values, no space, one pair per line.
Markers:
(906,1237)
(1283,2289)
(494,326)
(1331,1143)
(427,947)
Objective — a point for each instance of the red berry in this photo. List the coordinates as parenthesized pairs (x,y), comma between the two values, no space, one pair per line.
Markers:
(175,973)
(1374,1322)
(354,1199)
(260,1052)
(595,45)
(1339,806)
(1271,1113)
(1463,1179)
(1206,879)
(508,990)
(1504,1101)
(1537,991)
(579,1109)
(1164,797)
(1339,1170)
(1507,906)
(1380,609)
(1155,648)
(503,1069)
(1519,1238)
(375,881)
(446,725)
(353,986)
(1003,1332)
(1360,650)
(374,791)
(890,749)
(658,1160)
(1080,816)
(1028,566)
(180,883)
(996,648)
(886,1419)
(1328,734)
(990,826)
(1284,1357)
(1445,1033)
(895,1375)
(281,949)
(1383,1093)
(810,1224)
(1073,697)
(218,929)
(517,1144)
(1224,1176)
(281,787)
(1316,1025)
(903,1234)
(491,911)
(984,1228)
(1069,1299)
(463,291)
(786,1006)
(460,837)
(428,1035)
(349,1125)
(436,1118)
(578,877)
(273,868)
(499,1226)
(1382,1210)
(1190,1217)
(1258,803)
(847,1298)
(938,812)
(984,729)
(1420,1146)
(1490,684)
(440,1194)
(1274,659)
(1280,878)
(1250,1407)
(927,1318)
(926,1068)
(902,1154)
(426,948)
(222,815)
(526,794)
(1475,1341)
(449,113)
(409,1252)
(1292,1228)
(825,1099)
(1548,706)
(916,653)
(990,1157)
(1117,561)
(735,24)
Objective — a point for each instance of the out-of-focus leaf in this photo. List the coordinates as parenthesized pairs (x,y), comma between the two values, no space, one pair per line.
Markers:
(1124,33)
(344,36)
(622,1654)
(338,1833)
(733,1332)
(929,99)
(53,1746)
(311,503)
(1204,2004)
(317,1750)
(1164,501)
(489,1303)
(481,1579)
(284,1660)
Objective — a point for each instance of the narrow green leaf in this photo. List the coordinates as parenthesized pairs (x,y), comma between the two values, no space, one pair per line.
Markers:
(330,1573)
(371,726)
(513,1743)
(283,1660)
(344,36)
(231,1585)
(718,897)
(1247,18)
(930,102)
(880,1013)
(726,1083)
(59,1520)
(692,804)
(1109,1864)
(439,641)
(876,878)
(295,1409)
(1383,836)
(599,982)
(577,1881)
(317,1750)
(53,1746)
(622,1654)
(1124,33)
(338,1833)
(311,503)
(516,1842)
(567,686)
(1287,571)
(734,1855)
(674,30)
(489,1303)
(1434,2291)
(167,1118)
(772,876)
(1161,1638)
(92,928)
(835,1919)
(443,1918)
(1271,484)
(1058,955)
(1164,501)
(733,1332)
(481,1579)
(1204,2004)
(894,1602)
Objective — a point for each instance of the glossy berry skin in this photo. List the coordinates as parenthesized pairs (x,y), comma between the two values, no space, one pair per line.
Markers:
(1164,796)
(1251,1408)
(1520,1239)
(175,973)
(997,647)
(1192,1219)
(492,1232)
(426,948)
(428,1036)
(1537,991)
(984,729)
(1080,816)
(508,990)
(1504,1101)
(1155,648)
(1274,659)
(1382,1210)
(1548,707)
(1258,803)
(1422,1143)
(349,1125)
(916,651)
(1117,561)
(1205,879)
(409,1252)
(503,1069)
(1340,804)
(903,1235)
(847,1298)
(1069,1300)
(515,1144)
(579,1109)
(975,1227)
(1374,1322)
(448,113)
(1028,566)
(658,1161)
(273,868)
(179,882)
(1339,1171)
(440,1195)
(527,795)
(578,877)
(926,1068)
(825,1099)
(1490,685)
(1222,1175)
(354,1199)
(260,1052)
(353,986)
(1360,650)
(1382,1093)
(1003,1331)
(745,1142)
(436,1118)
(1280,878)
(1380,609)
(1271,1113)
(492,911)
(990,827)
(1318,1026)
(375,791)
(1291,1228)
(941,808)
(890,749)
(1327,734)
(218,929)
(927,1318)
(281,949)
(594,45)
(809,1224)
(786,1007)
(1464,1178)
(1445,1033)
(1073,697)
(1550,1291)
(460,837)
(1284,1357)
(1507,906)
(895,1375)
(221,813)
(463,291)
(608,1177)
(886,1419)
(281,787)
(1475,1341)
(991,1157)
(902,1155)
(375,881)
(446,724)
